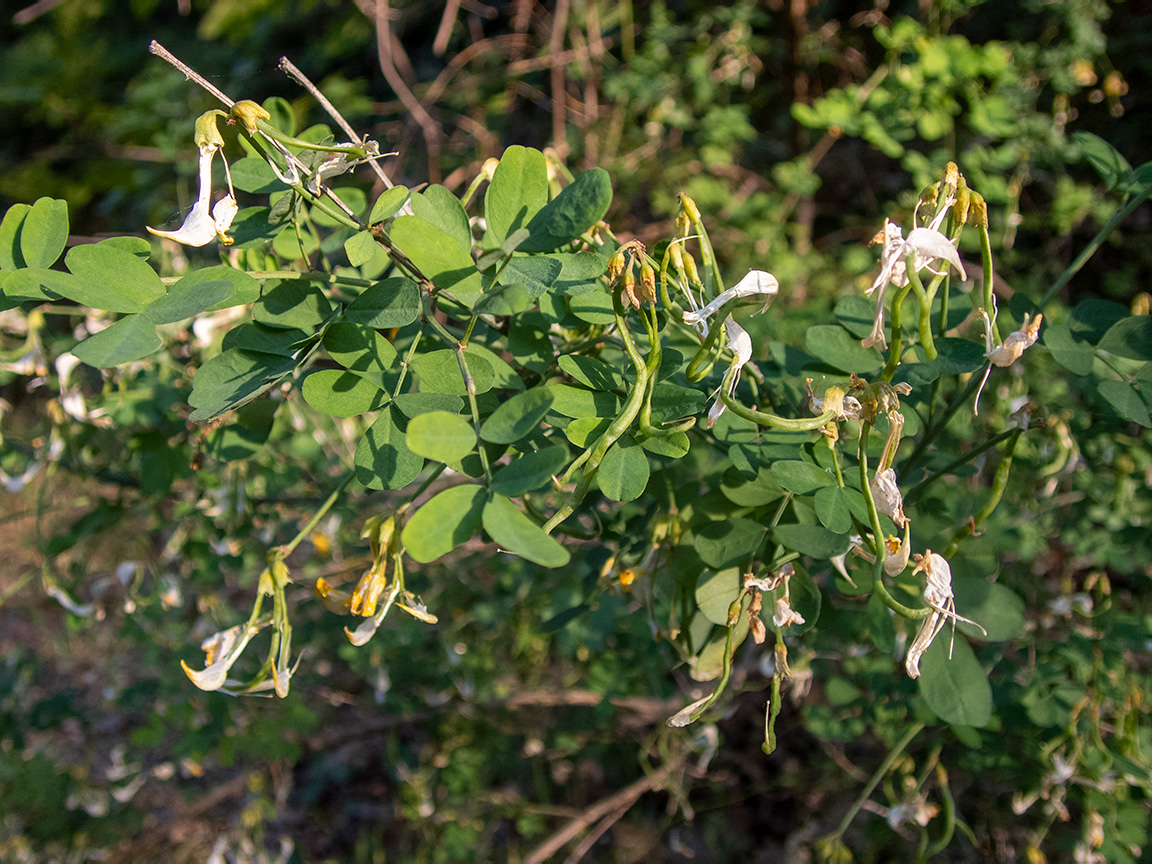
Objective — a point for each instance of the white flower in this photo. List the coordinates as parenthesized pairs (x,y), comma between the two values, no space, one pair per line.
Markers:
(741,344)
(926,244)
(785,614)
(887,496)
(755,282)
(938,596)
(201,227)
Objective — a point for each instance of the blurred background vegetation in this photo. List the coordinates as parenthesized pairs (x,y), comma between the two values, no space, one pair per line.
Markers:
(796,126)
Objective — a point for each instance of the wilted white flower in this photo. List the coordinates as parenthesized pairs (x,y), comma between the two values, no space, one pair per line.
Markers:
(846,407)
(785,614)
(926,244)
(221,651)
(938,596)
(741,344)
(887,496)
(201,227)
(755,283)
(1011,349)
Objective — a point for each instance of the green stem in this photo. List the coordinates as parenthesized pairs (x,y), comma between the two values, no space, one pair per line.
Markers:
(989,301)
(897,346)
(272,132)
(999,484)
(884,768)
(807,424)
(919,488)
(926,338)
(318,515)
(1090,250)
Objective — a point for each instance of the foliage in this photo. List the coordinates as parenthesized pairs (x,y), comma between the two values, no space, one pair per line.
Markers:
(506,399)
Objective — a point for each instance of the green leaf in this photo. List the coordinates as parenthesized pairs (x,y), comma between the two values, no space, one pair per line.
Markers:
(253,174)
(37,284)
(394,302)
(252,228)
(443,523)
(751,492)
(832,509)
(674,446)
(1123,397)
(502,300)
(1130,338)
(341,394)
(505,377)
(241,440)
(518,534)
(1109,164)
(855,313)
(111,279)
(535,274)
(529,471)
(995,607)
(519,189)
(352,196)
(44,232)
(294,304)
(234,378)
(835,346)
(801,478)
(441,436)
(438,206)
(414,404)
(624,471)
(184,301)
(439,256)
(728,542)
(11,258)
(956,690)
(388,204)
(580,271)
(958,356)
(361,248)
(578,207)
(671,402)
(439,372)
(593,307)
(1073,355)
(584,431)
(245,289)
(359,349)
(128,339)
(715,593)
(383,460)
(1091,319)
(592,373)
(521,414)
(811,540)
(265,340)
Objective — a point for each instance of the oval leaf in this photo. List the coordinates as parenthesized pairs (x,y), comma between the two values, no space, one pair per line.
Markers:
(518,534)
(956,689)
(577,208)
(341,394)
(111,279)
(624,471)
(443,523)
(44,232)
(441,436)
(383,460)
(128,339)
(514,419)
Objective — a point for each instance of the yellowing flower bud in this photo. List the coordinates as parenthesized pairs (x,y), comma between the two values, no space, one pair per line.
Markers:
(249,114)
(647,292)
(207,134)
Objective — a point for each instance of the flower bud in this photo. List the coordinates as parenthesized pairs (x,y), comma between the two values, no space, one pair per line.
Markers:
(249,114)
(647,292)
(207,134)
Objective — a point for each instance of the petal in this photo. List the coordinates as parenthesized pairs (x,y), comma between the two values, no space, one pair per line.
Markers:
(754,283)
(929,245)
(198,229)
